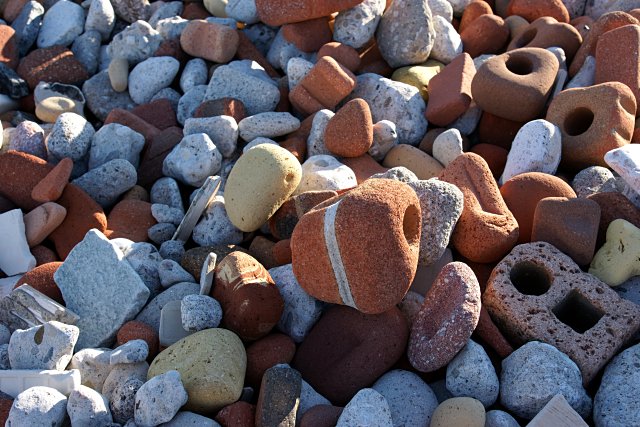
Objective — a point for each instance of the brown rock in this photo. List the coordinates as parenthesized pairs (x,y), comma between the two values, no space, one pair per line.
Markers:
(350,132)
(474,10)
(158,113)
(321,416)
(126,118)
(296,146)
(6,205)
(364,167)
(19,174)
(279,397)
(52,64)
(247,50)
(534,9)
(336,257)
(618,57)
(371,61)
(222,107)
(278,12)
(344,54)
(306,201)
(195,11)
(52,185)
(282,252)
(265,353)
(450,91)
(523,192)
(171,47)
(516,84)
(156,150)
(210,41)
(136,193)
(583,24)
(130,219)
(43,255)
(6,402)
(429,138)
(135,330)
(414,159)
(41,279)
(495,156)
(491,335)
(348,350)
(308,36)
(449,315)
(487,229)
(83,214)
(250,300)
(194,258)
(593,120)
(282,223)
(486,34)
(41,222)
(8,47)
(239,414)
(614,206)
(537,293)
(497,130)
(545,32)
(261,249)
(12,9)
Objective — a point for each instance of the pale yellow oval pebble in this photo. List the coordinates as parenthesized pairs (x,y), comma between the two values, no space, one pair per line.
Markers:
(617,260)
(418,76)
(414,159)
(119,74)
(262,179)
(212,364)
(50,108)
(216,7)
(459,412)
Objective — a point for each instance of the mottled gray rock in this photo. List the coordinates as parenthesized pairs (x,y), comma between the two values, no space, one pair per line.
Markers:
(172,27)
(61,24)
(355,27)
(101,287)
(122,373)
(171,272)
(115,141)
(189,102)
(162,232)
(5,364)
(447,146)
(406,33)
(38,406)
(133,351)
(159,399)
(441,8)
(87,408)
(309,398)
(215,227)
(586,76)
(101,18)
(324,172)
(48,346)
(282,51)
(410,399)
(459,6)
(471,374)
(94,366)
(597,8)
(5,334)
(86,49)
(394,101)
(28,137)
(108,181)
(150,76)
(193,160)
(629,290)
(123,400)
(447,44)
(575,7)
(70,137)
(166,10)
(194,73)
(200,312)
(27,26)
(261,35)
(135,43)
(594,179)
(246,81)
(399,173)
(536,372)
(223,131)
(165,213)
(366,408)
(102,99)
(170,95)
(268,125)
(151,313)
(442,205)
(132,10)
(301,310)
(190,419)
(166,191)
(242,11)
(497,418)
(297,69)
(315,140)
(172,249)
(145,259)
(385,137)
(279,396)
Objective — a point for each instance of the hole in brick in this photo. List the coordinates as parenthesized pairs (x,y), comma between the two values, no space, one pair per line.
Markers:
(526,37)
(578,121)
(577,312)
(411,224)
(530,278)
(39,335)
(520,65)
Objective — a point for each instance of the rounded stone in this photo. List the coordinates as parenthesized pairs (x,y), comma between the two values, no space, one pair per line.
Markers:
(459,411)
(135,330)
(350,132)
(259,183)
(150,76)
(86,407)
(417,161)
(212,366)
(38,406)
(200,312)
(269,351)
(367,408)
(41,279)
(472,374)
(497,418)
(194,159)
(123,400)
(70,137)
(324,172)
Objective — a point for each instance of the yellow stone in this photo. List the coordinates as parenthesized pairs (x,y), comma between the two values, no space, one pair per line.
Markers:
(619,258)
(459,412)
(418,76)
(417,161)
(212,364)
(50,108)
(216,7)
(119,74)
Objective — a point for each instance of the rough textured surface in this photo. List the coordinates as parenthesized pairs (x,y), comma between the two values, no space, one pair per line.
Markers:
(368,407)
(472,374)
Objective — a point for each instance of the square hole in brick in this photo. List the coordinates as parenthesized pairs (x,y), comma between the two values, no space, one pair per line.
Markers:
(577,312)
(530,278)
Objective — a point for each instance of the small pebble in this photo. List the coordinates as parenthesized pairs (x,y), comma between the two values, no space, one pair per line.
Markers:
(43,406)
(368,407)
(170,273)
(471,374)
(86,407)
(268,125)
(108,181)
(200,312)
(194,159)
(123,400)
(133,351)
(159,399)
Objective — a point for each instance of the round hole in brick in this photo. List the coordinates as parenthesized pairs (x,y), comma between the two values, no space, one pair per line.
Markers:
(578,121)
(520,65)
(39,335)
(530,278)
(411,224)
(526,37)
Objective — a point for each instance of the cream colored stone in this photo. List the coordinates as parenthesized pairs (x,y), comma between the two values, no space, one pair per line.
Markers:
(50,108)
(42,221)
(417,161)
(216,7)
(418,76)
(259,183)
(212,365)
(119,74)
(459,411)
(617,259)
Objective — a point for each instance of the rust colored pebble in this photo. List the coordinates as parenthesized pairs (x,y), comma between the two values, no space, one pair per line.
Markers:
(325,86)
(265,353)
(371,61)
(135,330)
(607,22)
(448,316)
(282,252)
(19,174)
(221,107)
(52,185)
(284,105)
(321,416)
(261,249)
(8,47)
(43,255)
(250,300)
(6,402)
(306,201)
(172,48)
(583,24)
(130,219)
(83,214)
(247,50)
(635,13)
(429,138)
(308,36)
(487,229)
(41,279)
(534,9)
(348,350)
(210,41)
(344,54)
(498,131)
(239,414)
(360,249)
(495,156)
(52,64)
(350,132)
(279,12)
(282,223)
(547,32)
(450,91)
(296,146)
(12,9)
(474,10)
(593,120)
(157,149)
(491,335)
(193,10)
(614,206)
(127,118)
(363,167)
(486,34)
(158,113)
(516,84)
(523,192)
(618,57)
